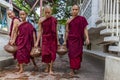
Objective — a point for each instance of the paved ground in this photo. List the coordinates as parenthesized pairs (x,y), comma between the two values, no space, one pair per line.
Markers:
(92,69)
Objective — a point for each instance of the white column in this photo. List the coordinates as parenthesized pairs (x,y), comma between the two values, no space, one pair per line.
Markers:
(108,13)
(111,10)
(117,17)
(103,10)
(113,24)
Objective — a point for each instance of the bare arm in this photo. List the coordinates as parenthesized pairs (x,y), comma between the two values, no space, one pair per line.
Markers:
(14,31)
(57,37)
(39,33)
(34,37)
(86,35)
(66,31)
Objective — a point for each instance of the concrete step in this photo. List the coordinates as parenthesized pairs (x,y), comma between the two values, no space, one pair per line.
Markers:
(107,31)
(98,54)
(104,24)
(114,48)
(112,39)
(6,61)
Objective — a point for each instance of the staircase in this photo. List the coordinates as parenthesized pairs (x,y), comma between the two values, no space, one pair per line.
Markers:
(110,20)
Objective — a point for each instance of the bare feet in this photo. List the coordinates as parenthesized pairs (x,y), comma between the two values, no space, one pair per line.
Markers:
(20,71)
(17,66)
(72,73)
(51,72)
(47,68)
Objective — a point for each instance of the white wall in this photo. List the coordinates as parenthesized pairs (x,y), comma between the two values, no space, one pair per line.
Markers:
(6,5)
(112,68)
(94,12)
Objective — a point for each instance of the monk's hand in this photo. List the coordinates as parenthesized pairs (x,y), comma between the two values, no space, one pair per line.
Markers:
(64,43)
(58,43)
(12,42)
(36,45)
(87,41)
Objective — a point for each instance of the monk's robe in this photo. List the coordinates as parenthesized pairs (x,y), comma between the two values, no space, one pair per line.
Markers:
(75,41)
(11,28)
(24,42)
(49,40)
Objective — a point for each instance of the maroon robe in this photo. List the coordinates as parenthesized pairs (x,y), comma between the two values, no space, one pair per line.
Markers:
(49,40)
(76,41)
(11,28)
(24,42)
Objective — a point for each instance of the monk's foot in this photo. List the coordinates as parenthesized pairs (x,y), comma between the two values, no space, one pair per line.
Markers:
(18,66)
(20,71)
(17,69)
(51,72)
(72,73)
(46,70)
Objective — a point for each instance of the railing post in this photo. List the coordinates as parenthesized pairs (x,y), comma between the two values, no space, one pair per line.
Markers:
(106,11)
(117,18)
(113,24)
(111,9)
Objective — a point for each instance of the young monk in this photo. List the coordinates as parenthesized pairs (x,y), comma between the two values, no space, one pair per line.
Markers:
(14,24)
(76,28)
(25,41)
(48,32)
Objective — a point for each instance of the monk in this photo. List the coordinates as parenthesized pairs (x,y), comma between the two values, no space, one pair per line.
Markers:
(48,33)
(25,41)
(14,24)
(76,28)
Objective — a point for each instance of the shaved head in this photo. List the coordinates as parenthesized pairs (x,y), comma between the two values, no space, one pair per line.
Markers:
(75,10)
(22,11)
(47,7)
(76,6)
(47,11)
(10,13)
(23,15)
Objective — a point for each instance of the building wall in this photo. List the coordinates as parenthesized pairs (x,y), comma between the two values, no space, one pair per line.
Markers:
(4,20)
(89,9)
(4,38)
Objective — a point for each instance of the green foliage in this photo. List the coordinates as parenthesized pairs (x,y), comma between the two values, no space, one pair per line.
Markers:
(26,7)
(22,5)
(61,10)
(62,21)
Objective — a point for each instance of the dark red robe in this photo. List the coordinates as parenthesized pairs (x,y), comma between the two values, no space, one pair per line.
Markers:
(76,41)
(11,28)
(24,42)
(49,40)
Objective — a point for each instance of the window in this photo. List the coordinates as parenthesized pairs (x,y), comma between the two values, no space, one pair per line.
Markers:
(3,19)
(7,0)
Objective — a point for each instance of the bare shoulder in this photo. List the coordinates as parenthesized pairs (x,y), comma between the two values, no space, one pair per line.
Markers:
(69,20)
(41,19)
(20,23)
(16,21)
